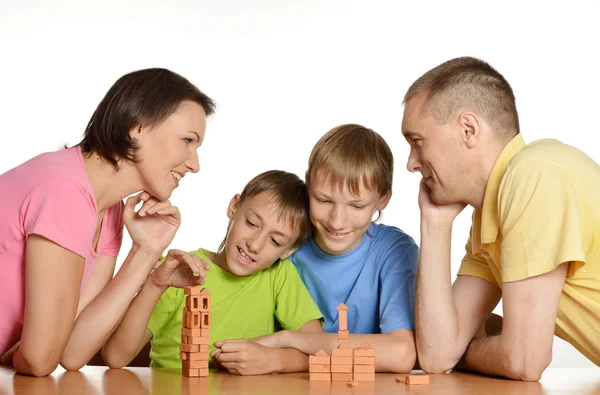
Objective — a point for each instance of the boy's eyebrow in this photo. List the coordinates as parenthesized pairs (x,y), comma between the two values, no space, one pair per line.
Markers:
(261,219)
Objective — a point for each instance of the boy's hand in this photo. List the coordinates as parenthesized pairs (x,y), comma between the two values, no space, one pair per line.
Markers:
(244,357)
(178,270)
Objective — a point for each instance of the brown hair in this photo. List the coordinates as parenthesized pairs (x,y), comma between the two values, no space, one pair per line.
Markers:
(469,83)
(141,98)
(289,194)
(350,154)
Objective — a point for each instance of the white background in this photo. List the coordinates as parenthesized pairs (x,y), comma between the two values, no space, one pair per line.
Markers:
(285,72)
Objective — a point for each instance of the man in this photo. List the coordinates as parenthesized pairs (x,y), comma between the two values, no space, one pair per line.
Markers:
(535,236)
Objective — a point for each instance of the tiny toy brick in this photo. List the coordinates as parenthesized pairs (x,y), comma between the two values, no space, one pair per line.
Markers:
(191,290)
(191,332)
(341,360)
(352,384)
(364,376)
(319,369)
(320,377)
(194,356)
(341,352)
(364,360)
(320,358)
(401,379)
(341,368)
(417,379)
(337,377)
(364,368)
(343,335)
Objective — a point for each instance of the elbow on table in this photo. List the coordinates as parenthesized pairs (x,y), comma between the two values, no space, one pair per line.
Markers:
(432,361)
(530,366)
(40,362)
(406,353)
(114,360)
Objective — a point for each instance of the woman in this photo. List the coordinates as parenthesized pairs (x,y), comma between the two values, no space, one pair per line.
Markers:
(62,220)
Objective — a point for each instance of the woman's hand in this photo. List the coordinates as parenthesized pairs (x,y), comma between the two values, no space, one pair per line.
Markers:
(154,225)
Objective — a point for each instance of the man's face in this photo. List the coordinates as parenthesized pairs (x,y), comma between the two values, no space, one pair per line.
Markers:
(436,151)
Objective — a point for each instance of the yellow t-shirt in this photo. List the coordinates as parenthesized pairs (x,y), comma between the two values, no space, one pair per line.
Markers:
(542,209)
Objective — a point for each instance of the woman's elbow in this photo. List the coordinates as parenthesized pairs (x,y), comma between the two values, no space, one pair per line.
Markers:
(39,363)
(406,357)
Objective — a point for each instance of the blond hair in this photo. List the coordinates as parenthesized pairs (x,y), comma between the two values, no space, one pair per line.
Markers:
(468,83)
(290,196)
(350,155)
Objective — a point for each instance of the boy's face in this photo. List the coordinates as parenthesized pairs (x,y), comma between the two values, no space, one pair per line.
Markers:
(257,236)
(341,218)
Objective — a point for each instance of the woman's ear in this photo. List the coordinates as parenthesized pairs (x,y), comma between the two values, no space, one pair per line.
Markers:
(233,205)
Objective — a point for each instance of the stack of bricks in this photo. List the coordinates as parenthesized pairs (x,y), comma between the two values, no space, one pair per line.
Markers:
(345,364)
(195,332)
(364,363)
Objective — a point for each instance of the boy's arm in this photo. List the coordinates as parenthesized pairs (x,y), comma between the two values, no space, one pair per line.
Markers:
(394,351)
(132,334)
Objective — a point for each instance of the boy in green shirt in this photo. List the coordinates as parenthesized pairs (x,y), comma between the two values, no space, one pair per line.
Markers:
(254,288)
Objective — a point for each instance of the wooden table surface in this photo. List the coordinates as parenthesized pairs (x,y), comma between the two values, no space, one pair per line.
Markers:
(95,380)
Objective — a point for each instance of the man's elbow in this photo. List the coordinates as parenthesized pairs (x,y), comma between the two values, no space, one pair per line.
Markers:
(436,361)
(528,366)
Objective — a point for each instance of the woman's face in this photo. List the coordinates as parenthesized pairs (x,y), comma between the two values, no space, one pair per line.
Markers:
(168,151)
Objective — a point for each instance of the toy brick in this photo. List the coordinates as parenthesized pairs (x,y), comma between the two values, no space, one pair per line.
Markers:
(342,335)
(205,320)
(189,348)
(187,372)
(204,300)
(343,320)
(191,290)
(192,302)
(203,372)
(314,360)
(341,352)
(198,340)
(319,377)
(341,360)
(191,332)
(191,319)
(321,353)
(341,307)
(341,377)
(364,368)
(341,368)
(343,344)
(203,348)
(401,379)
(364,352)
(364,360)
(417,379)
(364,376)
(193,364)
(197,356)
(319,368)
(352,384)
(184,339)
(205,332)
(183,355)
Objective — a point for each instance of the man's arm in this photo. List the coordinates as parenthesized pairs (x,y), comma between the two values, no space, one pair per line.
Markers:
(446,316)
(524,348)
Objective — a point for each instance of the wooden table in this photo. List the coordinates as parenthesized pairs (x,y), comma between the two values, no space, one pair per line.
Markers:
(95,380)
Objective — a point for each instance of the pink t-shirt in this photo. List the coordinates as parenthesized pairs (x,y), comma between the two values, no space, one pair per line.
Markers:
(49,195)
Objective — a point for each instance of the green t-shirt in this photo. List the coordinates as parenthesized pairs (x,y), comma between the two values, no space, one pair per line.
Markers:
(241,307)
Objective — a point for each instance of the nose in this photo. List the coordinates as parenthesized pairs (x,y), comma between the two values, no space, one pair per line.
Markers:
(414,164)
(255,243)
(336,218)
(193,163)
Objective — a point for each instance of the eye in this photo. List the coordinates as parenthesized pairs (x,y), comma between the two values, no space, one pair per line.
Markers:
(187,141)
(323,200)
(250,224)
(356,206)
(275,242)
(418,142)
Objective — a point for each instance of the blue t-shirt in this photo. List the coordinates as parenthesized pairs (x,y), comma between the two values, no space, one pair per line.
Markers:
(376,281)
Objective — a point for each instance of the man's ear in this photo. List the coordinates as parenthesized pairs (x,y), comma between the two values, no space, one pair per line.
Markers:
(385,199)
(234,204)
(471,128)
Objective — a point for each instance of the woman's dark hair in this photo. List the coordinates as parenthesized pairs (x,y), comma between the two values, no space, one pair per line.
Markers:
(141,98)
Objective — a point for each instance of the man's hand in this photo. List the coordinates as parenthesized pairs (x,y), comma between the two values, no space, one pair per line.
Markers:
(430,209)
(245,357)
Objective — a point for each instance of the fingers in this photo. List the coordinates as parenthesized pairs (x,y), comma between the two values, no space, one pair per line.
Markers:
(192,261)
(158,206)
(170,214)
(132,201)
(232,368)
